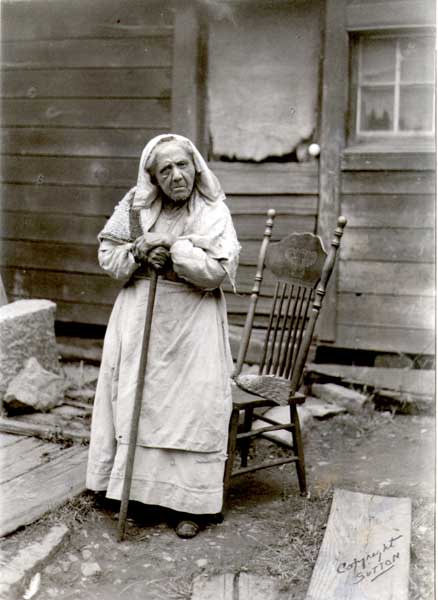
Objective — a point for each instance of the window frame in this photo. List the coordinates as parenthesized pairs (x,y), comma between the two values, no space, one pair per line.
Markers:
(387,138)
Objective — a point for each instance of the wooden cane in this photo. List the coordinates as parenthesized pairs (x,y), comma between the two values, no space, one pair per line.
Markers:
(132,442)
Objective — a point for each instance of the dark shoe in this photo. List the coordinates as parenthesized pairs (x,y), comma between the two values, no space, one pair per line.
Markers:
(187,529)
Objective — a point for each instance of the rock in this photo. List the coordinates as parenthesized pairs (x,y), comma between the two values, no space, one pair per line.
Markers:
(320,409)
(86,554)
(351,400)
(52,570)
(26,330)
(90,569)
(202,562)
(34,386)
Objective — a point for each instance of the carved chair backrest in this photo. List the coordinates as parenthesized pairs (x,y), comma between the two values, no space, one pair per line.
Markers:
(301,268)
(296,263)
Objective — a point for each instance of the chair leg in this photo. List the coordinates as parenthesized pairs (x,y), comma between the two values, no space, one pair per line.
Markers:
(231,450)
(297,443)
(245,443)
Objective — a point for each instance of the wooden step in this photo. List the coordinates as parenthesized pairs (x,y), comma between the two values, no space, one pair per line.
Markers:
(365,551)
(44,476)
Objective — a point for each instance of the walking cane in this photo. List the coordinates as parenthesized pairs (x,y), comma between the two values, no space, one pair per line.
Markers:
(137,407)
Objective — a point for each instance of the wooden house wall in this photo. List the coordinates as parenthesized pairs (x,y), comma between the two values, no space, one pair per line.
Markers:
(291,189)
(84,86)
(386,281)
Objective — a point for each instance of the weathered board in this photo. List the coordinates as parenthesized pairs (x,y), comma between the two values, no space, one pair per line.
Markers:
(410,381)
(365,551)
(85,86)
(43,486)
(382,210)
(244,586)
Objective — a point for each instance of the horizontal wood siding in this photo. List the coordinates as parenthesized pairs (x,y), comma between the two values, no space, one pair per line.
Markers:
(251,189)
(84,86)
(387,274)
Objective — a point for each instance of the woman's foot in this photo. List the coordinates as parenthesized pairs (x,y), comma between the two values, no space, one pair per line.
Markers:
(187,529)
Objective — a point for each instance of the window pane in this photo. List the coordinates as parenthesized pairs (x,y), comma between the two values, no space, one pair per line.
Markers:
(417,59)
(416,108)
(377,109)
(378,60)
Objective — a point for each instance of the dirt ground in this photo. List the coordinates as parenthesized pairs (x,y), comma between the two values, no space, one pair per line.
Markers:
(269,528)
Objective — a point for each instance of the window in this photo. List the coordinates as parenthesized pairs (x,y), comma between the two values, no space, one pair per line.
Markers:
(395,86)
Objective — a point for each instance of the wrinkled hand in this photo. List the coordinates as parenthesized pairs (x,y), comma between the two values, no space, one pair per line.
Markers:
(145,243)
(158,257)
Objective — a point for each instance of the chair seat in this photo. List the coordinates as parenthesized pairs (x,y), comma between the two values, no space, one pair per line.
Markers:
(270,387)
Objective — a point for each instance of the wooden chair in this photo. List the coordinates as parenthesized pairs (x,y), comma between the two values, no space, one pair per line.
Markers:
(301,268)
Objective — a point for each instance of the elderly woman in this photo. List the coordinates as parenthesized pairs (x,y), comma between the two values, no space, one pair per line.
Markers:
(174,220)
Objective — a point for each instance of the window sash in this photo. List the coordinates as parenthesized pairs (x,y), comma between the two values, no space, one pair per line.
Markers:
(396,84)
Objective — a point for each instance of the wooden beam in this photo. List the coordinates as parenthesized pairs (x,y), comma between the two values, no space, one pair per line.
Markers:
(188,73)
(365,551)
(332,141)
(390,14)
(52,432)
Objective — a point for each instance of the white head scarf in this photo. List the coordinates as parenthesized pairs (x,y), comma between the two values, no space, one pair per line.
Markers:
(206,182)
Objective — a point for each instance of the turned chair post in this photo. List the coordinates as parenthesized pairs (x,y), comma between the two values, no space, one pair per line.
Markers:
(246,334)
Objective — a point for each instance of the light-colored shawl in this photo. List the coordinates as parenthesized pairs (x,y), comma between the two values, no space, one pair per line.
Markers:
(209,225)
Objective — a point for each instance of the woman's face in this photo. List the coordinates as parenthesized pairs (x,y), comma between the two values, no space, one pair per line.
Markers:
(174,171)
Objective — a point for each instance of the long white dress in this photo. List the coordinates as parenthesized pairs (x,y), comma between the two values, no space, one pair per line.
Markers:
(181,445)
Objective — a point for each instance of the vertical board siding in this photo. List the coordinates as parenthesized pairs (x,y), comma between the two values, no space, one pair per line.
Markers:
(84,86)
(387,271)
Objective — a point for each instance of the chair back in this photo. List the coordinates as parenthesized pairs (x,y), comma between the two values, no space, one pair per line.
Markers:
(301,268)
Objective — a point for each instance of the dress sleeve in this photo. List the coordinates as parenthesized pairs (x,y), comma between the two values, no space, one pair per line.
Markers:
(117,260)
(195,266)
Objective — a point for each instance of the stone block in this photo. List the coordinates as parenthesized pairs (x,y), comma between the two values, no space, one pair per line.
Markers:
(351,400)
(35,387)
(27,329)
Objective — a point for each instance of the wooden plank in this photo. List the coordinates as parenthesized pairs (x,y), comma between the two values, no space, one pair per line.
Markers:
(42,430)
(284,204)
(56,228)
(28,19)
(365,552)
(187,87)
(411,211)
(403,279)
(388,161)
(101,201)
(267,178)
(50,256)
(91,201)
(87,83)
(24,457)
(103,52)
(8,439)
(332,141)
(412,312)
(390,14)
(394,182)
(43,489)
(389,245)
(81,312)
(94,113)
(385,339)
(215,587)
(50,170)
(410,381)
(55,285)
(251,227)
(58,141)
